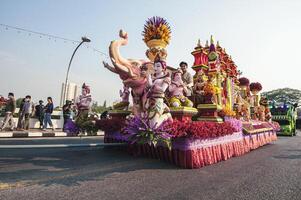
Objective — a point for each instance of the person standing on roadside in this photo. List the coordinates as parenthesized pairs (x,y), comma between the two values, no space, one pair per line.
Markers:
(48,111)
(20,124)
(9,112)
(67,111)
(27,110)
(40,112)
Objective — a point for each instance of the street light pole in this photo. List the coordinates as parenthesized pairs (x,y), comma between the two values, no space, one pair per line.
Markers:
(84,39)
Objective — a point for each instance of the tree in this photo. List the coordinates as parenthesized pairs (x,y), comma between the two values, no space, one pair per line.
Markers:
(287,95)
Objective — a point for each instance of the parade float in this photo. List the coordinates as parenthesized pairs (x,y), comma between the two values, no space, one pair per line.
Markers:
(223,118)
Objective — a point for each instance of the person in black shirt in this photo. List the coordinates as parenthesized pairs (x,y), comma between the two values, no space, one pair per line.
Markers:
(40,113)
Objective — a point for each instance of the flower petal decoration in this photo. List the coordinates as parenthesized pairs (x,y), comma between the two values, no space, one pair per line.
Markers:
(156,28)
(138,130)
(255,86)
(244,81)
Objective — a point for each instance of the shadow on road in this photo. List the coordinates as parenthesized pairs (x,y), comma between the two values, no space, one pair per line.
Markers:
(289,155)
(70,166)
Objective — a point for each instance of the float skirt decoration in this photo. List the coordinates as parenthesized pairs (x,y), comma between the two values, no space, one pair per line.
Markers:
(196,153)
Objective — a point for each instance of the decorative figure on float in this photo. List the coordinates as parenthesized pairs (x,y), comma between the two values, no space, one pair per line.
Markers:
(156,110)
(83,106)
(261,113)
(125,94)
(242,108)
(131,71)
(177,89)
(255,88)
(124,103)
(126,68)
(138,90)
(264,103)
(211,90)
(255,108)
(198,88)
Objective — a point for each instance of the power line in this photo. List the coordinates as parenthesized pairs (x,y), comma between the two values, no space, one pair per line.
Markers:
(50,36)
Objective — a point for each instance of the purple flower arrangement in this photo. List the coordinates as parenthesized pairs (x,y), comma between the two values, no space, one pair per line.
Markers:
(138,130)
(235,123)
(71,129)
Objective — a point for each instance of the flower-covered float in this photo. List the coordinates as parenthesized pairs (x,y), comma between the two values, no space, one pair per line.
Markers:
(220,120)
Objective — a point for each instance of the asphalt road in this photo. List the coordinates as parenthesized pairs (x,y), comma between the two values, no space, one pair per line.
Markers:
(270,172)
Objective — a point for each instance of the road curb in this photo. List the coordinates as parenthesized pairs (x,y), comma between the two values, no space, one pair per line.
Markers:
(26,134)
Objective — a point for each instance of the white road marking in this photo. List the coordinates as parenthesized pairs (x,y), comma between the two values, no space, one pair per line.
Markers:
(60,145)
(35,134)
(60,134)
(6,134)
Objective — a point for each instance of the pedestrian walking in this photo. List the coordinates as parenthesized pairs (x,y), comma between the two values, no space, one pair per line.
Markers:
(40,112)
(48,111)
(9,113)
(27,110)
(20,125)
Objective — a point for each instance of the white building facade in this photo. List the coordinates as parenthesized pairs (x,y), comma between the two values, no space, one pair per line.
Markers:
(72,91)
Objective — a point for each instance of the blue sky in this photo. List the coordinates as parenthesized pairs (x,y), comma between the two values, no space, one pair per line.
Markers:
(263,38)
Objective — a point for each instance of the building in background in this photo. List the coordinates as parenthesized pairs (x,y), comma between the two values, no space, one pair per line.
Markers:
(72,91)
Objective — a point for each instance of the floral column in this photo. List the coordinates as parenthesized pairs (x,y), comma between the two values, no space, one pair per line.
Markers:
(255,88)
(157,35)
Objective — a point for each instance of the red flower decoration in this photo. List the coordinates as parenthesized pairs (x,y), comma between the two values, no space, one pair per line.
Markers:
(202,130)
(244,81)
(255,86)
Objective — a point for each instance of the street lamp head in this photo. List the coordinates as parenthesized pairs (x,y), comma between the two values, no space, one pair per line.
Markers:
(85,39)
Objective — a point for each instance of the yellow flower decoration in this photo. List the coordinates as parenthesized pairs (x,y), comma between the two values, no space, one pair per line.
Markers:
(156,28)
